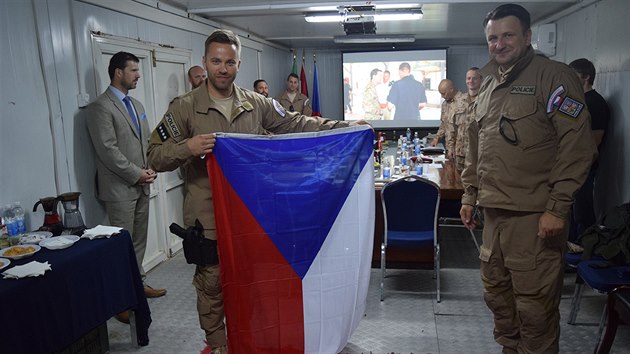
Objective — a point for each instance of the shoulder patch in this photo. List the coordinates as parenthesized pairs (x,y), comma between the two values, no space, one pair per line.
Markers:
(571,107)
(162,132)
(523,90)
(172,126)
(281,111)
(555,99)
(248,106)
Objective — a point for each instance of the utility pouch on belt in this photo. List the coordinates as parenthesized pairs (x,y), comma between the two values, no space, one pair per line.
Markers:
(197,249)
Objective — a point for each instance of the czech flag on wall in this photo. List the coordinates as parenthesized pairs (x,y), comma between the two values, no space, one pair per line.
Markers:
(295,225)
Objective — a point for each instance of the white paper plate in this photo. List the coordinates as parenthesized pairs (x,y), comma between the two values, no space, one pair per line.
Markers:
(34,237)
(4,263)
(59,242)
(3,253)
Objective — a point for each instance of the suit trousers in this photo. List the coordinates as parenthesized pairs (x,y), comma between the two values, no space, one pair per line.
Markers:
(522,276)
(132,215)
(207,281)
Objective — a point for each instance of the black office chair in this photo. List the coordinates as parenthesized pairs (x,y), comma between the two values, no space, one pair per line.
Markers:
(410,208)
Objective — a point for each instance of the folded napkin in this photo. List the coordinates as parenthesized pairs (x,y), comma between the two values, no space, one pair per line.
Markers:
(101,231)
(32,269)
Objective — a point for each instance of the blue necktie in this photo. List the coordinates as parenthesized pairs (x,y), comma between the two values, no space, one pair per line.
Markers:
(132,114)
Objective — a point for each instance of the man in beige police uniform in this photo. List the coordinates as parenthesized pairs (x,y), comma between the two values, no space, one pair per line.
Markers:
(454,103)
(530,149)
(186,134)
(292,99)
(463,118)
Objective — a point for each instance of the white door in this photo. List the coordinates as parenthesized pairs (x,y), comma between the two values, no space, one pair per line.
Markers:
(163,77)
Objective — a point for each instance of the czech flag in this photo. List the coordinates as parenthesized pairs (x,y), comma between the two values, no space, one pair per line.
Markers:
(316,110)
(295,225)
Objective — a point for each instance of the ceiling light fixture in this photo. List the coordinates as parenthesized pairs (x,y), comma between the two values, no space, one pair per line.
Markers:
(374,38)
(344,15)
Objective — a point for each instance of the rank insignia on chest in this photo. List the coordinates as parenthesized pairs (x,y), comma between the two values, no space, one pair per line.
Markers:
(571,107)
(172,126)
(523,90)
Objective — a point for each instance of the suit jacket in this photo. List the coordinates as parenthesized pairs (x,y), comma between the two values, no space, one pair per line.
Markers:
(121,153)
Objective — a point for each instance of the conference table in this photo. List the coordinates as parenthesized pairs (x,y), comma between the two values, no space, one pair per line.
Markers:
(441,171)
(90,282)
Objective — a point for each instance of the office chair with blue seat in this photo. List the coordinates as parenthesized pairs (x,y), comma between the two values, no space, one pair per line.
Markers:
(410,208)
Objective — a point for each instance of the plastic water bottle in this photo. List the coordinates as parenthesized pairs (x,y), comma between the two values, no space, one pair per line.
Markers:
(408,134)
(18,211)
(419,169)
(9,220)
(386,170)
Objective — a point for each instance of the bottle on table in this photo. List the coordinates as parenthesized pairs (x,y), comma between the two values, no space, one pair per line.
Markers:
(18,211)
(408,134)
(8,217)
(419,168)
(386,169)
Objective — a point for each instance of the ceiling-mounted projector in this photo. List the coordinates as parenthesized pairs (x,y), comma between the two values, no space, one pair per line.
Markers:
(358,19)
(359,27)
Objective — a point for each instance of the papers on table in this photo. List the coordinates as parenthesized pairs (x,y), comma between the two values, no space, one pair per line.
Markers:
(32,269)
(101,231)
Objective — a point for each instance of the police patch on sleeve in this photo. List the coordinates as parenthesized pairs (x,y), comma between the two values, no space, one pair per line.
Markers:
(571,107)
(162,132)
(172,126)
(281,111)
(555,99)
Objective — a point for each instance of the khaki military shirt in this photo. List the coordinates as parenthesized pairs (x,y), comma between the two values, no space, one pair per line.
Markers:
(530,145)
(462,122)
(371,106)
(301,103)
(447,122)
(196,113)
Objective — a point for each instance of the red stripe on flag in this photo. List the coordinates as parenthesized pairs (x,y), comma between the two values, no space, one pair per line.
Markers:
(304,85)
(262,295)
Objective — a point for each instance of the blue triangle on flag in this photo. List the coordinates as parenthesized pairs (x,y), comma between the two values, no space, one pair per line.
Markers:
(295,187)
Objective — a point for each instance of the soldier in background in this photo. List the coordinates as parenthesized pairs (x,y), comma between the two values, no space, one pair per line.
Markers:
(462,119)
(196,75)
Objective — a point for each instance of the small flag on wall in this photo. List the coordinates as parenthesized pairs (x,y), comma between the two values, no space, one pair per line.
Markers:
(315,105)
(304,85)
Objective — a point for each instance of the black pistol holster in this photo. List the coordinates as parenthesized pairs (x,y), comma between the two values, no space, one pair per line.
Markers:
(197,249)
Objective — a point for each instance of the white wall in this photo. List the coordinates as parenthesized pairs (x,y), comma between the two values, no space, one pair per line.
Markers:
(598,33)
(47,61)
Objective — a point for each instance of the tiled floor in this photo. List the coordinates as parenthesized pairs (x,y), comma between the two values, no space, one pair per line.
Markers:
(408,321)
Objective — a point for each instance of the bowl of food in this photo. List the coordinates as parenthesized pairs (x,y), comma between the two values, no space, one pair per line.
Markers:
(4,263)
(34,238)
(21,251)
(59,242)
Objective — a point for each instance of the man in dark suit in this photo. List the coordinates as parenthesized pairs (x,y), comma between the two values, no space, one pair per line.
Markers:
(119,131)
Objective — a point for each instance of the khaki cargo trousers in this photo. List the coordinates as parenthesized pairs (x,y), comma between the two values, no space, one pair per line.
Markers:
(207,281)
(522,276)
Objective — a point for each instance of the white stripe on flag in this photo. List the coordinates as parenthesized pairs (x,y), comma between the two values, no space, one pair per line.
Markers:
(335,286)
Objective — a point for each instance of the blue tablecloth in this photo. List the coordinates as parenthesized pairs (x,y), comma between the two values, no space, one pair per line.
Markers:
(89,283)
